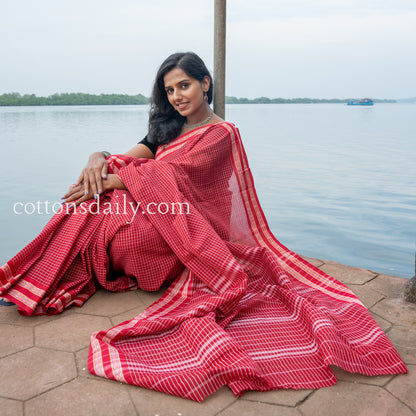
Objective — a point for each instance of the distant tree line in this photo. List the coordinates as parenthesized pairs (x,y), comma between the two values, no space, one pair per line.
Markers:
(79,98)
(265,100)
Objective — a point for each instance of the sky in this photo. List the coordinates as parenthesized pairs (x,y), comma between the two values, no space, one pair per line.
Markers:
(275,48)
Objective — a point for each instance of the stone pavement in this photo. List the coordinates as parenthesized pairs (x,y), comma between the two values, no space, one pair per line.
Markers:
(43,364)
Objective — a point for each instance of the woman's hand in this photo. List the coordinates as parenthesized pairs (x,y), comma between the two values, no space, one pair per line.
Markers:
(91,178)
(76,194)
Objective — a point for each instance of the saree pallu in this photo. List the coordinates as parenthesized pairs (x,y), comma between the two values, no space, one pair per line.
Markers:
(243,311)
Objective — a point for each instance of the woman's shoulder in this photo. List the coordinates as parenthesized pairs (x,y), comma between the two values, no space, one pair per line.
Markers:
(224,126)
(221,132)
(226,129)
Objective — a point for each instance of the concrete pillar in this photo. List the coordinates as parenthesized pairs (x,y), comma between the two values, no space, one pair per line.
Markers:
(219,57)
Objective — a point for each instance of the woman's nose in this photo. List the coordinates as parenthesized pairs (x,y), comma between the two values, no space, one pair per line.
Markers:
(176,94)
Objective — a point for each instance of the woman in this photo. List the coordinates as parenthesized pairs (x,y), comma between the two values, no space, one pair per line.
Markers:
(241,310)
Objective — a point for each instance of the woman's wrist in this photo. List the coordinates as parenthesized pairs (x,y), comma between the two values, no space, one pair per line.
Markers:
(98,155)
(113,182)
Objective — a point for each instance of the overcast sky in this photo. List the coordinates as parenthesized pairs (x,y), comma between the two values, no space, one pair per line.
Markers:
(275,48)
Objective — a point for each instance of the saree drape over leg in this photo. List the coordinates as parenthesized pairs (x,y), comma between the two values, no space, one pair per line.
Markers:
(243,311)
(106,243)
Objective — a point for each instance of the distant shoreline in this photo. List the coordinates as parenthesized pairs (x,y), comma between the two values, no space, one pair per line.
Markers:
(15,99)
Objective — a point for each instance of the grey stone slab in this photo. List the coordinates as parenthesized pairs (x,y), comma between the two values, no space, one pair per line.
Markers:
(128,315)
(34,371)
(150,297)
(367,295)
(347,274)
(14,338)
(106,303)
(248,408)
(315,262)
(70,333)
(83,397)
(343,375)
(389,286)
(81,358)
(9,315)
(397,311)
(287,397)
(383,323)
(10,407)
(151,403)
(354,399)
(404,339)
(404,387)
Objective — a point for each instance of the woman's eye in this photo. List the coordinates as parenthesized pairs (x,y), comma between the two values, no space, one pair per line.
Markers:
(184,86)
(169,91)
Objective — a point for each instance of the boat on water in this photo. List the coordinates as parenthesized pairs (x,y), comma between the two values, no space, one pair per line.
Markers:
(364,101)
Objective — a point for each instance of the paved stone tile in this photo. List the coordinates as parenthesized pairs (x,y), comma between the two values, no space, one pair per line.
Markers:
(151,403)
(404,387)
(47,373)
(288,397)
(383,323)
(83,397)
(353,399)
(10,408)
(34,371)
(367,295)
(149,297)
(107,303)
(315,262)
(404,339)
(247,408)
(348,274)
(396,310)
(14,339)
(389,286)
(9,315)
(126,316)
(81,359)
(343,375)
(70,333)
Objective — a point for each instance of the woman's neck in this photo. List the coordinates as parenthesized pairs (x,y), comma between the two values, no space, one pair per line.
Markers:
(201,117)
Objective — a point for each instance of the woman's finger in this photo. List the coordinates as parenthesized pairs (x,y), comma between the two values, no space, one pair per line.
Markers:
(98,181)
(73,196)
(104,170)
(86,183)
(93,182)
(72,190)
(80,178)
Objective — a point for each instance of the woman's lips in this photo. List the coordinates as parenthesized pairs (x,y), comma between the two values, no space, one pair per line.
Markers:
(182,106)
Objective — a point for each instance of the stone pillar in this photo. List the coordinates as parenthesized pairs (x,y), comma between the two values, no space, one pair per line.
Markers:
(219,57)
(410,289)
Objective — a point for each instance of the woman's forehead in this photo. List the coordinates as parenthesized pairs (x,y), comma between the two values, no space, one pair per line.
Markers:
(175,76)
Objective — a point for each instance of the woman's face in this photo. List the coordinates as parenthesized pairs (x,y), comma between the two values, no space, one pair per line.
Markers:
(186,94)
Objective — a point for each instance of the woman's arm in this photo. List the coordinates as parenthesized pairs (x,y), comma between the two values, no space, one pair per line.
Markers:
(92,180)
(140,151)
(77,196)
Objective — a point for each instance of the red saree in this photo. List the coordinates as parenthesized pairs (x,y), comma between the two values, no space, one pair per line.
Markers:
(243,310)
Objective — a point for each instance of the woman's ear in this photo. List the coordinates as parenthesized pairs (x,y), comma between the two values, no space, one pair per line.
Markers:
(206,83)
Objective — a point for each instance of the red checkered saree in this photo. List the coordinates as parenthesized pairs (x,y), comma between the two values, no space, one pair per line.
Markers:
(243,311)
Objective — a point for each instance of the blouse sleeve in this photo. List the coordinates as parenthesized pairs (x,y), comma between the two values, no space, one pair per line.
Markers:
(152,147)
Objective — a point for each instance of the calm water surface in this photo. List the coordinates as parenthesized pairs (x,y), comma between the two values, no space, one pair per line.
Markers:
(335,182)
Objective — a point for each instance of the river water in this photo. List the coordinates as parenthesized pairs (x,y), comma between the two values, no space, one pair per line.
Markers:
(336,182)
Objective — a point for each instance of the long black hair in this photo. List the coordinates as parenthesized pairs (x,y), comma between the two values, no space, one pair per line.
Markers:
(165,122)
